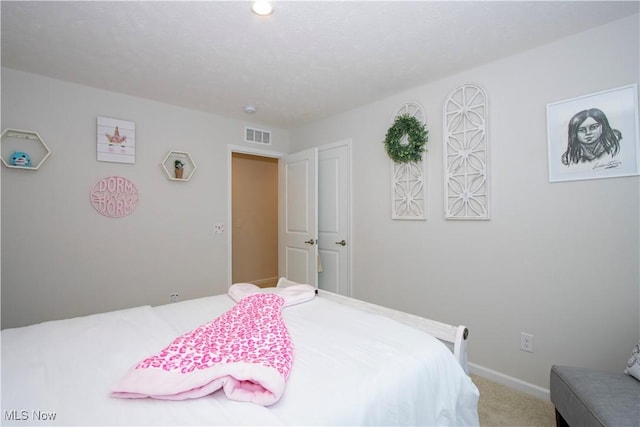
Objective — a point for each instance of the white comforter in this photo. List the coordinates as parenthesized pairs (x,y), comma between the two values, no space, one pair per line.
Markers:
(350,368)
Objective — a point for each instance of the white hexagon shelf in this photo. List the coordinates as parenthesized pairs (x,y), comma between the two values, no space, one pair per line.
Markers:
(178,165)
(23,149)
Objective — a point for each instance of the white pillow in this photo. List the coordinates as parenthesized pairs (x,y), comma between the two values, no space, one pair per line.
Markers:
(633,365)
(293,294)
(285,283)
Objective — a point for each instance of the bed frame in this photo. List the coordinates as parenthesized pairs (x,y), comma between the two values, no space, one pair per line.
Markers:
(454,337)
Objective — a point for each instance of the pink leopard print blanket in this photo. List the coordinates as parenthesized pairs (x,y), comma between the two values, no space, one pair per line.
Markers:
(247,352)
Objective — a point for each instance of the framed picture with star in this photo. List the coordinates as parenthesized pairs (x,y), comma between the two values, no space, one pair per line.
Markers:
(116,140)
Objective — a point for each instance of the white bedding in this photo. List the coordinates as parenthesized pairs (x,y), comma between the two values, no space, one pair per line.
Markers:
(350,368)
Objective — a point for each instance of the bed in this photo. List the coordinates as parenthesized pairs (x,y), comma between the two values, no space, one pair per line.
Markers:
(355,364)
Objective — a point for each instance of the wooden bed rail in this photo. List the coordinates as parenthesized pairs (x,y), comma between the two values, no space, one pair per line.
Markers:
(455,337)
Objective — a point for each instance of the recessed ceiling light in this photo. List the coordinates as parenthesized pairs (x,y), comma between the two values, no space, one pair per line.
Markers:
(262,7)
(250,109)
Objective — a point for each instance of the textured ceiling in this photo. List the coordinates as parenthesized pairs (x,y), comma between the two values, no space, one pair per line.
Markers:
(309,60)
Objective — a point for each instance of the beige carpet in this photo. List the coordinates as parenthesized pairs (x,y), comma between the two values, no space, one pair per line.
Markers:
(501,406)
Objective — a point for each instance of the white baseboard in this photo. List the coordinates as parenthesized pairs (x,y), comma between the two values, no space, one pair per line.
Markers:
(511,382)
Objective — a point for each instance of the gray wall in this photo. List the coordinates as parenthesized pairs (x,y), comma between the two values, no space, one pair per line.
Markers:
(559,261)
(60,257)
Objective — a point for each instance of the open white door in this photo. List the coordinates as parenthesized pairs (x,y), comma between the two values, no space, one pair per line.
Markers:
(298,230)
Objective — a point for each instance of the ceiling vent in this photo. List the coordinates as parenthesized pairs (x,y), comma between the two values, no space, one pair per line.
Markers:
(257,136)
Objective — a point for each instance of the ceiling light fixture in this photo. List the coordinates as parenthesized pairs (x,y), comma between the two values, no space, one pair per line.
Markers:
(250,109)
(262,7)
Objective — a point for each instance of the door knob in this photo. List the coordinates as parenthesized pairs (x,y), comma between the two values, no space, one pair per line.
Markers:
(341,243)
(310,242)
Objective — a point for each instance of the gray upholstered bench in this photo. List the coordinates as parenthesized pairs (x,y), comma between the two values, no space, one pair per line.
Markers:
(586,397)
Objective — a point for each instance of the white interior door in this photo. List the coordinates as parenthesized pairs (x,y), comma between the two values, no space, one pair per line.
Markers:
(298,217)
(334,218)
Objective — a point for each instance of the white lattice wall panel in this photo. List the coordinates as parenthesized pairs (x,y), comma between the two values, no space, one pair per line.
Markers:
(408,180)
(466,154)
(409,191)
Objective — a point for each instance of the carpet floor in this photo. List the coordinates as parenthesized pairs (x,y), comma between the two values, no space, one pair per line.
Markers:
(501,406)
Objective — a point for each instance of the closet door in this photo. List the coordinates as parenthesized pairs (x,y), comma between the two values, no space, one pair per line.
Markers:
(298,230)
(334,215)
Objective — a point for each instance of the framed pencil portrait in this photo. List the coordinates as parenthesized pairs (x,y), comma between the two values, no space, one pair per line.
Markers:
(594,136)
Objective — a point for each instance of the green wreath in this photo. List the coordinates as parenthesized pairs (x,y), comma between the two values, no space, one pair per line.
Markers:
(417,139)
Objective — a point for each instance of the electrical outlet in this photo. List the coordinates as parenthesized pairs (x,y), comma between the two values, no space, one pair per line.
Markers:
(174,297)
(526,342)
(218,228)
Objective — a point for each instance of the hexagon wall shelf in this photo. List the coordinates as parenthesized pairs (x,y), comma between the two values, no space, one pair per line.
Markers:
(30,148)
(183,173)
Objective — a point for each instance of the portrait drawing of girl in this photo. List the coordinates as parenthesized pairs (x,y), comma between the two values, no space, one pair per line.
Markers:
(585,135)
(590,137)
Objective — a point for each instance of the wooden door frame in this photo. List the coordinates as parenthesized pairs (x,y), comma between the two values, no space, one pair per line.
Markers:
(242,150)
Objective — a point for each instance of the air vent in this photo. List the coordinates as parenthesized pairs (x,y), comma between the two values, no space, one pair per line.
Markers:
(257,136)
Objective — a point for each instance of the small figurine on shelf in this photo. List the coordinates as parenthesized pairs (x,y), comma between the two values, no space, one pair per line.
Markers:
(18,158)
(179,166)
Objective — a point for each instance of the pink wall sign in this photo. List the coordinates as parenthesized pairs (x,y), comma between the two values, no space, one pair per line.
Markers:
(114,196)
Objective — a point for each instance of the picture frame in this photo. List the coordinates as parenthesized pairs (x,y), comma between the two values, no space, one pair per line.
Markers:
(594,136)
(115,140)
